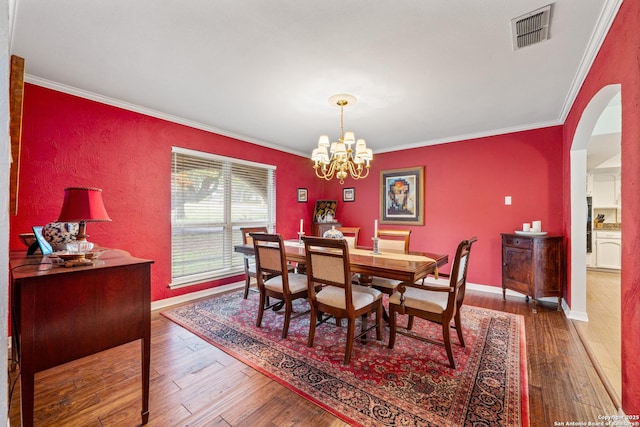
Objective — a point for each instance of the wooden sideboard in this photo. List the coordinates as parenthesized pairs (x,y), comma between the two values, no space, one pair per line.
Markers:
(61,314)
(319,228)
(533,266)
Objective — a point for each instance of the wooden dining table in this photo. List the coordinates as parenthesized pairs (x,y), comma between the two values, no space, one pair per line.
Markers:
(408,268)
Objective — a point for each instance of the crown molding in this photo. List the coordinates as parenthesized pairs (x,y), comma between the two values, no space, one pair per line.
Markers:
(608,15)
(468,136)
(149,112)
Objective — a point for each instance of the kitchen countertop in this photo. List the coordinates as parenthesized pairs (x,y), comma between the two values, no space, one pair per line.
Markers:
(609,226)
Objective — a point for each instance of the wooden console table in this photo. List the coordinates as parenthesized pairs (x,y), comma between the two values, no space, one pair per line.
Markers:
(61,314)
(533,266)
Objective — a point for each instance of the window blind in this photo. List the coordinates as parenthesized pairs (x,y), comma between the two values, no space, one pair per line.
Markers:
(212,197)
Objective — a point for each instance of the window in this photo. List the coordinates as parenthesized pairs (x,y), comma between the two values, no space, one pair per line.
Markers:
(212,197)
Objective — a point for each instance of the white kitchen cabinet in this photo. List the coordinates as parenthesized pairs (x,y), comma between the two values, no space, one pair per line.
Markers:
(608,249)
(606,190)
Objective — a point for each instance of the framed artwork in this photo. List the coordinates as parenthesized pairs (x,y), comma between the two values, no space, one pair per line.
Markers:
(302,195)
(402,196)
(45,247)
(349,194)
(325,211)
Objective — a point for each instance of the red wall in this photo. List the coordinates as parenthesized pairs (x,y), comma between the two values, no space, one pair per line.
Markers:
(618,61)
(71,141)
(465,184)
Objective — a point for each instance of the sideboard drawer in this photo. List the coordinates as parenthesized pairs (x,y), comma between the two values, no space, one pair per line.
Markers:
(517,242)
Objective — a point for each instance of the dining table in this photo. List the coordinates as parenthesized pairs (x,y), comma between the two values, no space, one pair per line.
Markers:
(407,268)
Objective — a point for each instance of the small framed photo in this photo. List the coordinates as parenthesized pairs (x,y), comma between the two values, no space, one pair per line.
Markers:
(349,194)
(302,195)
(45,247)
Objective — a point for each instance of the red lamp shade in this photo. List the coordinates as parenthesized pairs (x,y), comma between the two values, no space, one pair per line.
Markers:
(83,205)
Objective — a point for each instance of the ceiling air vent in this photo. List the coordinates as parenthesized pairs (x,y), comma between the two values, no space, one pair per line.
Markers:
(531,28)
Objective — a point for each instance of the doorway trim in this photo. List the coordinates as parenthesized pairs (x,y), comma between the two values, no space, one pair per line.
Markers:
(578,167)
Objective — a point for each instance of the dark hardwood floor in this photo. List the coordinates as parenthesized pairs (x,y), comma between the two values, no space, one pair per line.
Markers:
(195,384)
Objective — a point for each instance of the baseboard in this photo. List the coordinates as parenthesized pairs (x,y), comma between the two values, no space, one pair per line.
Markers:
(167,302)
(498,290)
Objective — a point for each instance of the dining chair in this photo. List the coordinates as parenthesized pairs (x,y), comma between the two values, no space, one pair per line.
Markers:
(434,302)
(332,295)
(396,241)
(391,241)
(350,235)
(274,278)
(249,260)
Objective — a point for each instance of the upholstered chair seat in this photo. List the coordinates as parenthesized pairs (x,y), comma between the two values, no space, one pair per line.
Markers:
(297,283)
(361,296)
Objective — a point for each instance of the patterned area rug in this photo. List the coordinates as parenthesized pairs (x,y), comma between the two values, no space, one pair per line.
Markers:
(411,385)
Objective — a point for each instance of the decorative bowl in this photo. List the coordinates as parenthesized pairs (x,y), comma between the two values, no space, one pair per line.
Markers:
(27,238)
(332,233)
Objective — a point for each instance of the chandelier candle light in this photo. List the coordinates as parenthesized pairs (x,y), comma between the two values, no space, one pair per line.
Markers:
(338,158)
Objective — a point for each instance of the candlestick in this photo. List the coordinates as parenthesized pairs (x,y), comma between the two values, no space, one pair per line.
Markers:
(376,250)
(300,235)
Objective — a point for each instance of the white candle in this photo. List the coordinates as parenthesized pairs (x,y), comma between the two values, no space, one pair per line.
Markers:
(301,225)
(375,228)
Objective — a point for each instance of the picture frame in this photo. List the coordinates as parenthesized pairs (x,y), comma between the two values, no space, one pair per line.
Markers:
(45,247)
(325,211)
(402,196)
(302,195)
(349,194)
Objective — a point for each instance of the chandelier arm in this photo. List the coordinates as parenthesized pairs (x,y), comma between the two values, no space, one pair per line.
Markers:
(366,174)
(356,171)
(352,168)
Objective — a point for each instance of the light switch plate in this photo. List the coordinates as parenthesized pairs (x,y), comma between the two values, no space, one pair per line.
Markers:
(507,200)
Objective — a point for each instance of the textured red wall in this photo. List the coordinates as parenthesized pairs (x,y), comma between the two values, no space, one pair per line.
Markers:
(71,141)
(465,185)
(618,61)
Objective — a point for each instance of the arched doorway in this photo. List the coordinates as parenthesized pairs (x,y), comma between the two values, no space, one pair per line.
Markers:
(578,161)
(604,107)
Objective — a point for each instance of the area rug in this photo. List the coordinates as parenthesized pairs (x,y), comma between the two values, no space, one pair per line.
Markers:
(410,385)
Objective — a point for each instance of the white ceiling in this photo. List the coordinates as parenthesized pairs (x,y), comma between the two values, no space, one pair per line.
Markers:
(603,150)
(423,71)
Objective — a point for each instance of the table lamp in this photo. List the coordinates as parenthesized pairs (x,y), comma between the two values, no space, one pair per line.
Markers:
(83,205)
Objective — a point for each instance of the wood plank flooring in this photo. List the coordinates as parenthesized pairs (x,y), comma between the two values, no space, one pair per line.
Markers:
(602,333)
(195,384)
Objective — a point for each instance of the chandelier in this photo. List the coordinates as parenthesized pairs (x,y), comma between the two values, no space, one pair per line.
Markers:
(338,158)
